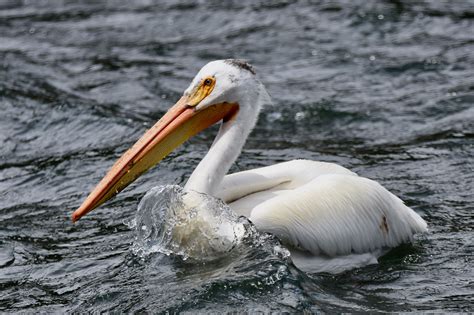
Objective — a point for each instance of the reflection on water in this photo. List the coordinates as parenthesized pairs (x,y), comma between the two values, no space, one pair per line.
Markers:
(381,87)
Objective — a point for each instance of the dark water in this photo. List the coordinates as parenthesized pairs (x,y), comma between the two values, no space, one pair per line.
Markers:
(385,88)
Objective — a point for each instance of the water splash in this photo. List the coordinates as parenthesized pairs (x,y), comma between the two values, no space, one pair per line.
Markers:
(194,226)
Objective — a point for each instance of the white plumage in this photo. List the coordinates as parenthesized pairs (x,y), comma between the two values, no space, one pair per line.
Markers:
(315,207)
(320,210)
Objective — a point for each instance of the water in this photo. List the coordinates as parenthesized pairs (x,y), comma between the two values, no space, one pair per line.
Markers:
(195,226)
(384,88)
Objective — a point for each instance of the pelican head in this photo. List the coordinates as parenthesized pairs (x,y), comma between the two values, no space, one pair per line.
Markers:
(226,91)
(227,80)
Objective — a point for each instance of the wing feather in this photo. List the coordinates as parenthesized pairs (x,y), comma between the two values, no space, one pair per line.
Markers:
(337,214)
(285,175)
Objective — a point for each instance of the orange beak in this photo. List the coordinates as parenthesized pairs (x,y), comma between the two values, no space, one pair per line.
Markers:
(179,124)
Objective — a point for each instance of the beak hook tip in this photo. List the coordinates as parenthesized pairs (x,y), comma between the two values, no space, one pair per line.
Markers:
(75,217)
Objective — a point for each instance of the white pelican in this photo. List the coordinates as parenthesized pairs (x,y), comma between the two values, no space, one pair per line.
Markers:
(316,208)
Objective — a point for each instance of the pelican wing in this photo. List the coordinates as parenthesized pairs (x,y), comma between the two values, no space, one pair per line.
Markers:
(334,213)
(285,175)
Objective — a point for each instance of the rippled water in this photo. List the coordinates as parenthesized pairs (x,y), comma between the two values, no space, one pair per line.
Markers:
(385,88)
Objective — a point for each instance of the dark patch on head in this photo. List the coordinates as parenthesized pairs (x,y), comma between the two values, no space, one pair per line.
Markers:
(241,64)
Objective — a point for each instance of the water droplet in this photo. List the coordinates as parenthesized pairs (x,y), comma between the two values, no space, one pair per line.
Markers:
(271,117)
(32,30)
(314,52)
(380,17)
(372,58)
(300,116)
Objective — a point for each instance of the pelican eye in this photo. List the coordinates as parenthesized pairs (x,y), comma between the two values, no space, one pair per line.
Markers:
(203,89)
